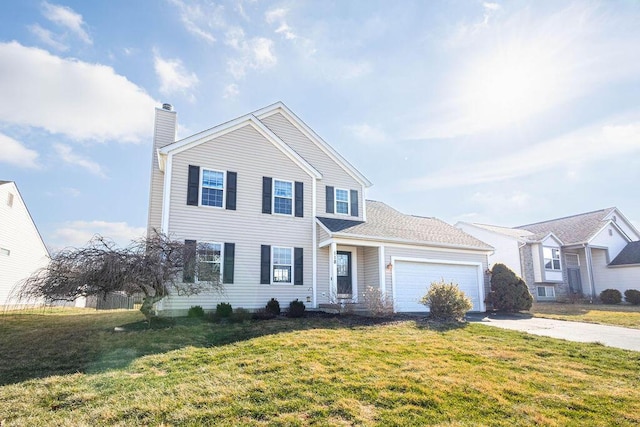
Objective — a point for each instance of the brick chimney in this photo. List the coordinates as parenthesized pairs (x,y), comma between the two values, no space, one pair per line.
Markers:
(164,133)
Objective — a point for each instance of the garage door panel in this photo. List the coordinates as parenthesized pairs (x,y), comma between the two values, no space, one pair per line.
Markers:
(413,279)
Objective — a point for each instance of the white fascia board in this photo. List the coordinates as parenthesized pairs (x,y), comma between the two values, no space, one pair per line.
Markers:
(604,227)
(162,160)
(166,196)
(411,242)
(375,242)
(33,223)
(251,120)
(617,212)
(324,227)
(279,107)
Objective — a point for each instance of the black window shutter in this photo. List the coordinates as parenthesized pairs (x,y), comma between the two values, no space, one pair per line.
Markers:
(232,185)
(265,264)
(299,199)
(266,195)
(229,261)
(189,261)
(354,202)
(329,199)
(297,266)
(193,185)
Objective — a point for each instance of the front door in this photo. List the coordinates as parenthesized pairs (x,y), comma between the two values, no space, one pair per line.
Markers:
(343,261)
(575,284)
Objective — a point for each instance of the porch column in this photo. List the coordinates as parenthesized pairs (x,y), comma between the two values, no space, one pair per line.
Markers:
(587,255)
(381,269)
(333,271)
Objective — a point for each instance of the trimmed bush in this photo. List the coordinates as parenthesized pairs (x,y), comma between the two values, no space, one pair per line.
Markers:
(224,310)
(195,311)
(240,315)
(273,307)
(296,309)
(446,301)
(611,296)
(632,296)
(508,292)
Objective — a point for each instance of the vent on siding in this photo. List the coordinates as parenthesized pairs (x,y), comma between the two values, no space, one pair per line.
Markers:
(167,107)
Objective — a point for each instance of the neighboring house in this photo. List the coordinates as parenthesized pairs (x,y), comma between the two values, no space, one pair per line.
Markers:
(22,250)
(275,212)
(580,254)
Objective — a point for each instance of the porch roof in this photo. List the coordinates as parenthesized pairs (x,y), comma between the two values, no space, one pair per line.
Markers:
(385,223)
(629,255)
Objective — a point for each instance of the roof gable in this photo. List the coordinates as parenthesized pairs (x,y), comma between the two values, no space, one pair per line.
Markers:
(385,223)
(573,229)
(279,107)
(222,129)
(20,204)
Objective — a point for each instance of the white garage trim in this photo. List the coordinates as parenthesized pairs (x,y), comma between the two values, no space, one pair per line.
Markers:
(478,266)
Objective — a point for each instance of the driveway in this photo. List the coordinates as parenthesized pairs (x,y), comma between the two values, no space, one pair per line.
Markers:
(612,336)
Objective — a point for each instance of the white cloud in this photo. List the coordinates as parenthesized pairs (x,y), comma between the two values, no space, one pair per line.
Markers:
(81,100)
(584,146)
(66,154)
(16,154)
(67,18)
(256,53)
(174,77)
(78,233)
(515,199)
(278,16)
(367,134)
(47,37)
(231,91)
(201,18)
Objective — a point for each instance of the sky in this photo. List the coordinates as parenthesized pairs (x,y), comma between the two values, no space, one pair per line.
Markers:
(499,112)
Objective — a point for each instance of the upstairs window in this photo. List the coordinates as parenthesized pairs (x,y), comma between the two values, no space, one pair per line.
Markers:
(342,201)
(212,188)
(551,258)
(282,197)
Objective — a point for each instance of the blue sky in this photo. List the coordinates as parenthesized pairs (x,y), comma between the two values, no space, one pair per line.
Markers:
(496,112)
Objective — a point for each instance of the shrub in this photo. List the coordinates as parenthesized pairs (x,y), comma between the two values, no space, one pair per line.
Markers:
(195,311)
(508,291)
(240,315)
(273,307)
(611,296)
(296,309)
(446,301)
(377,302)
(224,310)
(263,314)
(632,296)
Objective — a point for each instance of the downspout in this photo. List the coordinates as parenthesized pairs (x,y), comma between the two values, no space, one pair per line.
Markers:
(587,253)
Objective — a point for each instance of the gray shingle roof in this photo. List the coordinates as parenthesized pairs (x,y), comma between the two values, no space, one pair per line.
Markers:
(629,255)
(385,223)
(571,229)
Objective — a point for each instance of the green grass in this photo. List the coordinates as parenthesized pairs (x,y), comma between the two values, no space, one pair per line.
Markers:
(616,315)
(74,370)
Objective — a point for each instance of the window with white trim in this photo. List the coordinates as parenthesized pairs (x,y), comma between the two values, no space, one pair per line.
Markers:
(546,291)
(342,201)
(209,262)
(551,258)
(282,264)
(212,188)
(282,197)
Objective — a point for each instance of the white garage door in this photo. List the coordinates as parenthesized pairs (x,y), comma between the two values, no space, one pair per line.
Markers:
(412,281)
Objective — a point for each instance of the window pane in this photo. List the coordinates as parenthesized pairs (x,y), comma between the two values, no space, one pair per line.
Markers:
(547,253)
(541,291)
(212,179)
(282,256)
(342,195)
(211,197)
(282,206)
(283,189)
(556,264)
(342,207)
(281,273)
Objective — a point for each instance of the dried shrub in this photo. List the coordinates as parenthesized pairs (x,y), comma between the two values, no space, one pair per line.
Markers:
(611,296)
(632,296)
(446,301)
(378,303)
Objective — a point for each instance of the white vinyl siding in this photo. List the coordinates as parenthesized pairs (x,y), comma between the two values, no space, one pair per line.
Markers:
(244,225)
(620,278)
(333,174)
(506,248)
(23,250)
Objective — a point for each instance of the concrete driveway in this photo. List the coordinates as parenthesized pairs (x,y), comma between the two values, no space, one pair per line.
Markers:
(612,336)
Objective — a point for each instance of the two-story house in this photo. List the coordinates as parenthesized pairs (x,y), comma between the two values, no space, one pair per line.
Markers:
(22,250)
(275,212)
(581,254)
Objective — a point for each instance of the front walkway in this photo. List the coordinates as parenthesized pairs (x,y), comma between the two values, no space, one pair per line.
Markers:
(612,336)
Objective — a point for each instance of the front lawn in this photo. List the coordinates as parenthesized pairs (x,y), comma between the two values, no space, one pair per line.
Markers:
(75,370)
(616,315)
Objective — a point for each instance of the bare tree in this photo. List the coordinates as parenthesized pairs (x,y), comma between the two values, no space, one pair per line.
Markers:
(151,266)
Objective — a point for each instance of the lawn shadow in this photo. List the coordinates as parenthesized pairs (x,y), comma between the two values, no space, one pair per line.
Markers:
(42,345)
